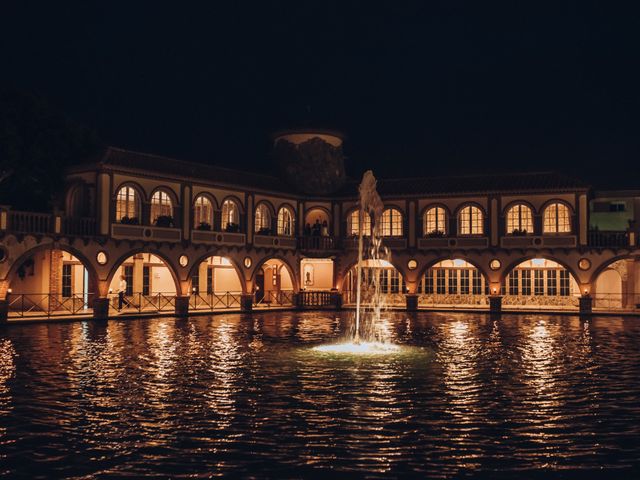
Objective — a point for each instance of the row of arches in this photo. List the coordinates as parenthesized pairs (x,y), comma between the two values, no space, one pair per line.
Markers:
(470,220)
(55,281)
(62,279)
(519,218)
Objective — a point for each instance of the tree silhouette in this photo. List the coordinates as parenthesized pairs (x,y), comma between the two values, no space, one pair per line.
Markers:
(37,144)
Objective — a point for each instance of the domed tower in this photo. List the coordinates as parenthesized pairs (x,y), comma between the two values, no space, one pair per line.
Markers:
(311,161)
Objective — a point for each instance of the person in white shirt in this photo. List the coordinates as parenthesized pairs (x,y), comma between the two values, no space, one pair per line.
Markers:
(122,289)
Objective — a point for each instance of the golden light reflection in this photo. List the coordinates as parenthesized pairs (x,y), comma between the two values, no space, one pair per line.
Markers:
(7,371)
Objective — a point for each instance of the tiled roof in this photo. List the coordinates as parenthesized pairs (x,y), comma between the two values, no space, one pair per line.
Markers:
(468,184)
(150,163)
(427,186)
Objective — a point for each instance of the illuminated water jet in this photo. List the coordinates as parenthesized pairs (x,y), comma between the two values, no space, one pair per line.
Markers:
(369,335)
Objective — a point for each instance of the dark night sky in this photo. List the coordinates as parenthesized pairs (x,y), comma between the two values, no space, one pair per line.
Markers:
(420,88)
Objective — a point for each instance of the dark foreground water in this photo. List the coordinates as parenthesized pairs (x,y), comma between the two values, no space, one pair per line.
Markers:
(527,396)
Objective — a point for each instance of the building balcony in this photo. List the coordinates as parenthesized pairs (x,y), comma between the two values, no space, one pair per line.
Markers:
(538,241)
(318,243)
(602,239)
(436,243)
(218,238)
(145,232)
(273,241)
(393,243)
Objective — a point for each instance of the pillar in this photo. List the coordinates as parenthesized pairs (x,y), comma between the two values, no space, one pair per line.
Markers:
(101,308)
(412,301)
(4,310)
(203,269)
(586,304)
(138,268)
(104,203)
(182,305)
(336,299)
(495,303)
(246,302)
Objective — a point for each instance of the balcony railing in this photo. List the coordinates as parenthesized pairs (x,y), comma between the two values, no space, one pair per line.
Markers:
(30,222)
(608,239)
(81,226)
(318,243)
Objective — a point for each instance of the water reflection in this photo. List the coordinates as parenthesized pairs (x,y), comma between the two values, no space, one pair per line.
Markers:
(244,396)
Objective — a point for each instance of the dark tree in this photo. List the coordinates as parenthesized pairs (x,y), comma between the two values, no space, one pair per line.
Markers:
(37,144)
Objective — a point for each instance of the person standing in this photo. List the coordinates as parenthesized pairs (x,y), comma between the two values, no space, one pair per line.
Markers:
(122,290)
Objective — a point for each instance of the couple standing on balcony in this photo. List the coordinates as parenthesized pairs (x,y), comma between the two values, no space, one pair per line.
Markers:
(318,229)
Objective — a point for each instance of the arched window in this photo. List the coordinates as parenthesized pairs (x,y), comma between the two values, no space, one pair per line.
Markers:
(161,205)
(557,218)
(202,212)
(470,221)
(519,220)
(285,222)
(127,205)
(391,223)
(353,223)
(262,220)
(230,216)
(435,221)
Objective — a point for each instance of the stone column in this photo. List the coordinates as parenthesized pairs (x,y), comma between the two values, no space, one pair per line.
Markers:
(412,302)
(586,304)
(104,203)
(101,308)
(138,268)
(495,303)
(182,305)
(336,299)
(246,302)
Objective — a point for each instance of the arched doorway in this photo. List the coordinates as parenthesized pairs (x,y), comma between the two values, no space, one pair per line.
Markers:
(453,283)
(616,286)
(540,283)
(50,282)
(274,284)
(215,284)
(381,272)
(317,222)
(142,282)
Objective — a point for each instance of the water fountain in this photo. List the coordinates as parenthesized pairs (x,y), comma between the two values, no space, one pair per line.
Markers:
(368,335)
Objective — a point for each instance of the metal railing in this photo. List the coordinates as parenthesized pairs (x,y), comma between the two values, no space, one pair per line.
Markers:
(275,298)
(616,301)
(540,302)
(317,242)
(453,301)
(215,301)
(315,299)
(23,305)
(30,222)
(82,226)
(598,238)
(139,302)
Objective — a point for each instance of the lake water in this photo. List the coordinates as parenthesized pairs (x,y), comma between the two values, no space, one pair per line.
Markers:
(468,396)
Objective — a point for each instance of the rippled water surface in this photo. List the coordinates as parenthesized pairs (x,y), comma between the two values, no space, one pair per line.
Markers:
(467,396)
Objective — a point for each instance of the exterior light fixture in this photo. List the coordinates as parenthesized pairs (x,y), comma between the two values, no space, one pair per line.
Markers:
(584,264)
(101,258)
(9,290)
(495,290)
